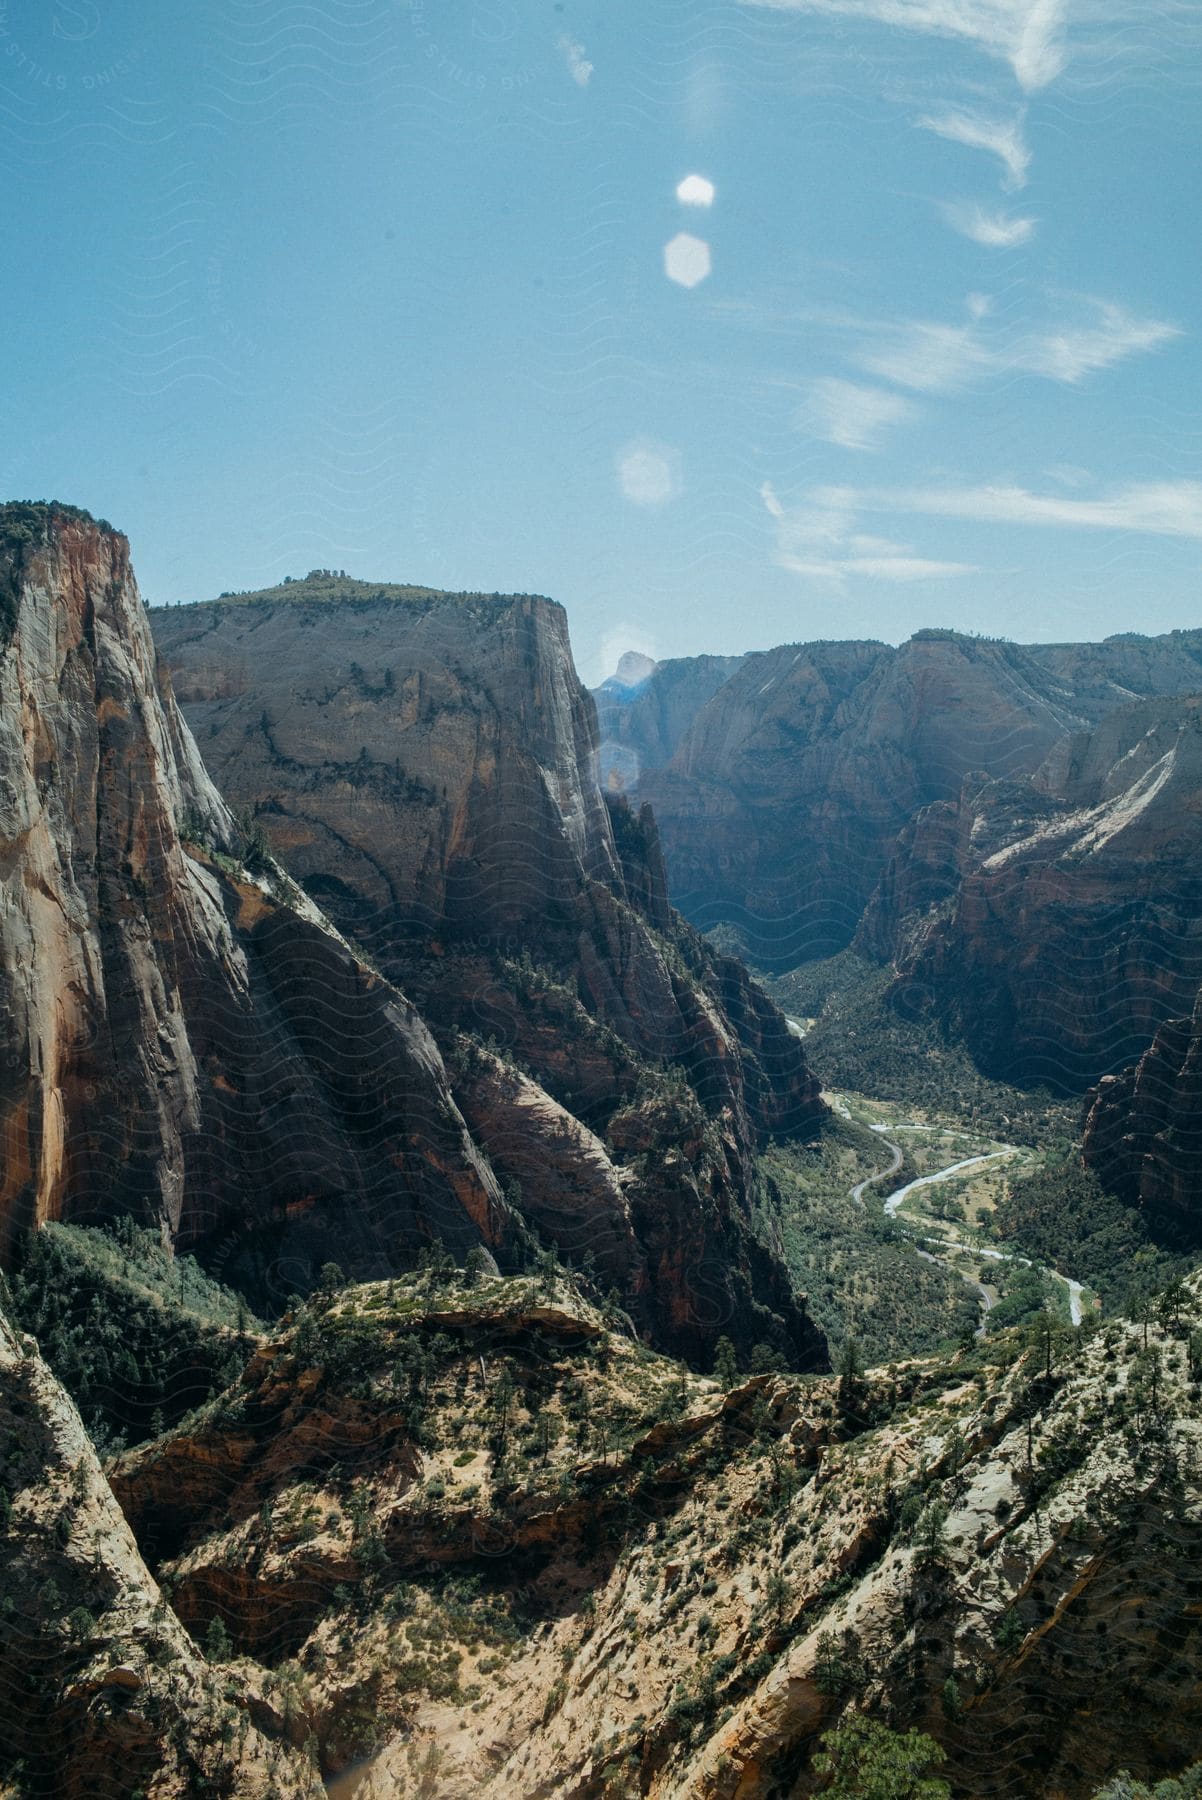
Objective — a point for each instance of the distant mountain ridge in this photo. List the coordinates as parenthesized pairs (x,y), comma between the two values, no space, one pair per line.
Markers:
(784,776)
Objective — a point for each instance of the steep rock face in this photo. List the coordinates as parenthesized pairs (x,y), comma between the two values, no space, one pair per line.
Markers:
(645,709)
(780,780)
(103,1690)
(1069,930)
(422,765)
(1123,668)
(180,1038)
(427,766)
(1143,1131)
(780,805)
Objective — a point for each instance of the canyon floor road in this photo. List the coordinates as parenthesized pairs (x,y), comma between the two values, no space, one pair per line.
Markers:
(938,1242)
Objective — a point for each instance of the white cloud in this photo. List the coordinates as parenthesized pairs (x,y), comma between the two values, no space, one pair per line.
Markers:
(931,357)
(819,542)
(847,413)
(648,473)
(997,231)
(687,259)
(695,190)
(1067,355)
(769,496)
(1156,508)
(1028,34)
(579,67)
(1002,138)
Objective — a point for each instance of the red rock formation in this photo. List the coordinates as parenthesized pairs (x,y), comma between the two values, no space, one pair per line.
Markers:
(180,1037)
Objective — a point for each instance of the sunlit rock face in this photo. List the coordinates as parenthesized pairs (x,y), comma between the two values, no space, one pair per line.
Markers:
(181,1037)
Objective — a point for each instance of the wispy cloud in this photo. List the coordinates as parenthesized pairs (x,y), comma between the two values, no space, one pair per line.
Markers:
(997,231)
(1069,354)
(579,67)
(932,357)
(1156,508)
(849,414)
(819,541)
(1002,138)
(1028,34)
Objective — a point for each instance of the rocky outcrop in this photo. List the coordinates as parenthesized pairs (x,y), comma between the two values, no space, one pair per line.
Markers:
(183,1036)
(508,1551)
(1065,914)
(102,1691)
(426,765)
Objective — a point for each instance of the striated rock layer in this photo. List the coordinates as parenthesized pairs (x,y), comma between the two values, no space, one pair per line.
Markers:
(426,765)
(180,1037)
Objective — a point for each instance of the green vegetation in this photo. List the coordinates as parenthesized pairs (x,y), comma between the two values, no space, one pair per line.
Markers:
(856,1266)
(1026,1295)
(137,1337)
(863,1760)
(334,587)
(28,521)
(860,1042)
(1186,1786)
(1062,1216)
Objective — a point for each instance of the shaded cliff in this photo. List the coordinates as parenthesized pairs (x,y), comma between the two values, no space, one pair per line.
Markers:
(645,709)
(779,792)
(780,805)
(426,765)
(183,1036)
(1143,1131)
(1064,915)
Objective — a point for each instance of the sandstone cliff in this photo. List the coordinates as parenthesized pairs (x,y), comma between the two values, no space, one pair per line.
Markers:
(183,1036)
(645,709)
(426,765)
(1143,1131)
(780,805)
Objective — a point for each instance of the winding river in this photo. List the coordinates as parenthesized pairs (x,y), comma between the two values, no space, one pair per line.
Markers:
(939,1240)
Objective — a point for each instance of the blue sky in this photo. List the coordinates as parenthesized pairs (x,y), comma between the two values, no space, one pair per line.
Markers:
(386,285)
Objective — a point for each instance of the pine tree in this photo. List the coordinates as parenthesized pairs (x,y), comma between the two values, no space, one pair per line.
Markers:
(726,1363)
